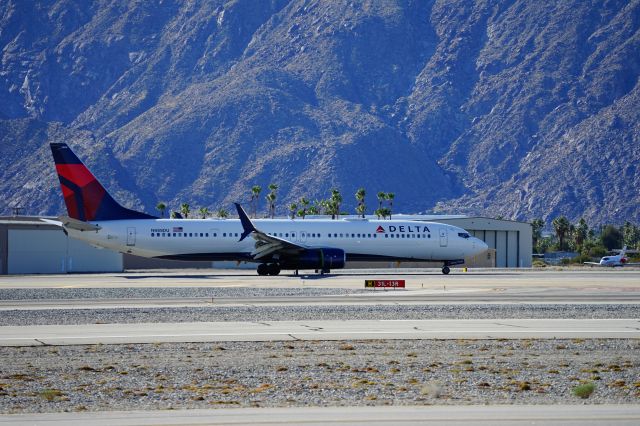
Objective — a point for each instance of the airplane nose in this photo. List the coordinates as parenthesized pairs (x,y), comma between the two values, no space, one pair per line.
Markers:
(479,245)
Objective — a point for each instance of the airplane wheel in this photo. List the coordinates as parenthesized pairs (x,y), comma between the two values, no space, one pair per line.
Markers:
(445,270)
(274,269)
(263,269)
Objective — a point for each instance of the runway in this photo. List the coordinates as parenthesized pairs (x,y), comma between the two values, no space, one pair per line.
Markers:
(581,278)
(584,286)
(317,330)
(507,415)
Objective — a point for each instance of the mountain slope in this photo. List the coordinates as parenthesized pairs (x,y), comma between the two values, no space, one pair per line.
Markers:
(516,108)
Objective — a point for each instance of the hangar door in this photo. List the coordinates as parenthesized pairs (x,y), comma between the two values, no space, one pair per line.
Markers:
(36,251)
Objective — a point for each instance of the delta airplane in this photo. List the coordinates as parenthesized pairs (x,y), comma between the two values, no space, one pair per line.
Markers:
(275,244)
(613,261)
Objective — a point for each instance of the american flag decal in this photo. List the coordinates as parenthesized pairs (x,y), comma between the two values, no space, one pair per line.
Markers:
(177,229)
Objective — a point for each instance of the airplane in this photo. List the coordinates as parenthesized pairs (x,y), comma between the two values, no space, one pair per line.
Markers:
(613,261)
(275,244)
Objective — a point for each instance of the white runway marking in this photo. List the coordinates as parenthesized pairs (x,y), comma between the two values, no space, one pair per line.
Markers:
(317,330)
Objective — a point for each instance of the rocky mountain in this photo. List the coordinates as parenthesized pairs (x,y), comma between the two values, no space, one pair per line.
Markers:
(514,108)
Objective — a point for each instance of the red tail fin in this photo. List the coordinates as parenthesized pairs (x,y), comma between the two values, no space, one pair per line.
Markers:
(85,197)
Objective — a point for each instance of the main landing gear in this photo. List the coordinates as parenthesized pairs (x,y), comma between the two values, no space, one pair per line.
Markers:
(268,269)
(446,270)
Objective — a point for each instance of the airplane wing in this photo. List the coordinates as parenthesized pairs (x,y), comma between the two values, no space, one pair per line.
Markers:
(266,245)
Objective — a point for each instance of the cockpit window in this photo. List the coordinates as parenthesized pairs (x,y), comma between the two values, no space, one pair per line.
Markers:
(463,235)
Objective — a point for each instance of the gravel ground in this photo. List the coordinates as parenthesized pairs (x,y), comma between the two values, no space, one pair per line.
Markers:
(165,292)
(317,373)
(313,312)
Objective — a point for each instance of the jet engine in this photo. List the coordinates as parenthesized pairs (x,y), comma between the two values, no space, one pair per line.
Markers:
(323,259)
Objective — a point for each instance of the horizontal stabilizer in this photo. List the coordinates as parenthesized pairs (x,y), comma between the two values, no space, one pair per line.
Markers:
(70,223)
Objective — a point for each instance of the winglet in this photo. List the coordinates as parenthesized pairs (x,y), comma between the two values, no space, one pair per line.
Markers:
(247,225)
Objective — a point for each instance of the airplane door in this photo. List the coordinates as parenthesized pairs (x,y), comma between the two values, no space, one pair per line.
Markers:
(131,236)
(443,237)
(303,236)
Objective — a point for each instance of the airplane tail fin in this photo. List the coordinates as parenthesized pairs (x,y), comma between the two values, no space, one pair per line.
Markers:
(85,197)
(623,251)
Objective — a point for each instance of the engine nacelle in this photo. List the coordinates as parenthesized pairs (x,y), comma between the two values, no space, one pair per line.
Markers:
(321,258)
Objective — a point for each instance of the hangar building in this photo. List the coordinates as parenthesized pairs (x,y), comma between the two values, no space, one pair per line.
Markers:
(30,246)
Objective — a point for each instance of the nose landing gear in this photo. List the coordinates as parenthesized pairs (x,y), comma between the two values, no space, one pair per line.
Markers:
(447,263)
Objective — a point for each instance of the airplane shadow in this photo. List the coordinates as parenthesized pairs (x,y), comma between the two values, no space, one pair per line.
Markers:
(307,276)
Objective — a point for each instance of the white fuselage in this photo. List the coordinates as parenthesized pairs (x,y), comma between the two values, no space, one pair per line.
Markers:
(218,239)
(612,261)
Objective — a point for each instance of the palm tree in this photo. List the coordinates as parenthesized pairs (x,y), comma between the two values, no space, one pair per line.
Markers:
(271,198)
(293,207)
(184,209)
(561,225)
(536,231)
(582,232)
(381,197)
(390,196)
(204,212)
(335,202)
(314,208)
(255,196)
(305,204)
(222,213)
(360,194)
(161,207)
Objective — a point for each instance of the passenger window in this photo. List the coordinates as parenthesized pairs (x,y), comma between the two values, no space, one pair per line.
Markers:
(224,234)
(293,235)
(206,234)
(286,235)
(341,236)
(152,234)
(386,235)
(428,235)
(236,234)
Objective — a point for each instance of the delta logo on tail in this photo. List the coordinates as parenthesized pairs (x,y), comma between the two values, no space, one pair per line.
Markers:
(85,198)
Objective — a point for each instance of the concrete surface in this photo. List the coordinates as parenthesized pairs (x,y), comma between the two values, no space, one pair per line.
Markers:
(506,415)
(317,330)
